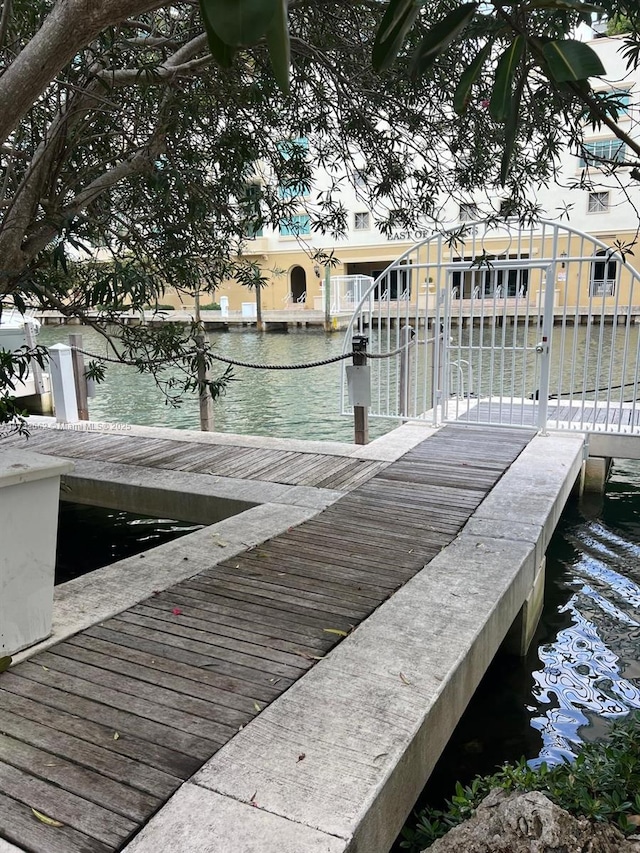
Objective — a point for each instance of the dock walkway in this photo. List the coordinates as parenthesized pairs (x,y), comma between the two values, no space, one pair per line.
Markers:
(98,731)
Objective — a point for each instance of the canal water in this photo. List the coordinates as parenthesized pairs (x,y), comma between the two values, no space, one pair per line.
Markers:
(583,670)
(283,403)
(90,537)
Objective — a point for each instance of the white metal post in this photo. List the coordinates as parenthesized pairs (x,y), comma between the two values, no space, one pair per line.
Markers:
(36,370)
(544,347)
(63,384)
(404,385)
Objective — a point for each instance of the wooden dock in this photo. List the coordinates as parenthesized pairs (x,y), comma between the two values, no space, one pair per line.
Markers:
(319,470)
(98,731)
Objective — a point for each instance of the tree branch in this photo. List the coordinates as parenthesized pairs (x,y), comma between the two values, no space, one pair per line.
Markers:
(69,27)
(585,97)
(180,64)
(4,20)
(162,73)
(138,162)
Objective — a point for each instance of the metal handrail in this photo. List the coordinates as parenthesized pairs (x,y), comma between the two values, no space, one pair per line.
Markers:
(527,325)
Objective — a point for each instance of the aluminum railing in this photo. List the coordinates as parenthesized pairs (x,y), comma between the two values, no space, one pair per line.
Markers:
(530,326)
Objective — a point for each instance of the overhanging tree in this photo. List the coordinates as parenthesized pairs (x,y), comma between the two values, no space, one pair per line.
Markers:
(119,129)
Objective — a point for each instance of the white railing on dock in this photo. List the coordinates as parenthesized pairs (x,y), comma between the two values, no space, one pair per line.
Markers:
(498,324)
(345,292)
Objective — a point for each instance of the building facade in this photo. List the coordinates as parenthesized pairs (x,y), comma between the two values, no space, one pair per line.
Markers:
(608,210)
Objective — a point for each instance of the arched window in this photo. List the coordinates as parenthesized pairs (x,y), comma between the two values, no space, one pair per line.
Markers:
(604,271)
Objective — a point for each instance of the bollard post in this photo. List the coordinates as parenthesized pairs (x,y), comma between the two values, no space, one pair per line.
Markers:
(360,413)
(62,384)
(77,358)
(206,402)
(327,298)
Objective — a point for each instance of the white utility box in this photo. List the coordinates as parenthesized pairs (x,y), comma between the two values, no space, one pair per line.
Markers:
(29,495)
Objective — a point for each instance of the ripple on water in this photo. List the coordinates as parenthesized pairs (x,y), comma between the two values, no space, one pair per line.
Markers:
(589,670)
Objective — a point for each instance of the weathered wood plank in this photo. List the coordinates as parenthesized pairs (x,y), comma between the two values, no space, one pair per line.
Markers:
(211,661)
(73,811)
(105,762)
(199,619)
(208,735)
(182,751)
(280,593)
(264,628)
(118,797)
(19,826)
(242,665)
(199,675)
(196,712)
(227,707)
(98,734)
(322,564)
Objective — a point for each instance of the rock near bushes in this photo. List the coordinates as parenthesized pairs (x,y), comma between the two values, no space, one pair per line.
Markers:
(530,823)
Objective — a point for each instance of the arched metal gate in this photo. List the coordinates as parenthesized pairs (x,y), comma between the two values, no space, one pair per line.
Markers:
(495,324)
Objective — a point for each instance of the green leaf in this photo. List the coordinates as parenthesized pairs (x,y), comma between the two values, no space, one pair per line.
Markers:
(440,37)
(468,78)
(239,23)
(511,131)
(396,23)
(501,100)
(571,60)
(43,818)
(221,52)
(279,46)
(5,663)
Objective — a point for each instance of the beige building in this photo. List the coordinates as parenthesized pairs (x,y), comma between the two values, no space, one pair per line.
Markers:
(608,211)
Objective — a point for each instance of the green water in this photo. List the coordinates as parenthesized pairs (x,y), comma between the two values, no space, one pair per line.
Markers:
(283,403)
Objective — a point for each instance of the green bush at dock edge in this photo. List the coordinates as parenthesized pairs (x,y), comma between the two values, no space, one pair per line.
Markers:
(602,784)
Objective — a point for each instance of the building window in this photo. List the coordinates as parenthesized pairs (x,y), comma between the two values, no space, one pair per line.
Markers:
(294,226)
(468,212)
(604,272)
(598,202)
(293,190)
(360,178)
(607,150)
(289,148)
(251,210)
(618,98)
(361,221)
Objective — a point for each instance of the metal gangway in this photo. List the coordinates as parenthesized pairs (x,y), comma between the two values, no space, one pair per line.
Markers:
(498,324)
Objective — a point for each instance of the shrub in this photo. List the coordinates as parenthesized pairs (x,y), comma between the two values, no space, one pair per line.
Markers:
(602,784)
(212,306)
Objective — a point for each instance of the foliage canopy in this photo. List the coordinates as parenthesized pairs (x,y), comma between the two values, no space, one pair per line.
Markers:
(162,132)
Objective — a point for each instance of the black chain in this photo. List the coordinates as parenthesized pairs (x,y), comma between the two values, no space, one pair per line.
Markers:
(236,363)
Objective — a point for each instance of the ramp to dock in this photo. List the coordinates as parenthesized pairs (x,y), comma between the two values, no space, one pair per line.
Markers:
(100,730)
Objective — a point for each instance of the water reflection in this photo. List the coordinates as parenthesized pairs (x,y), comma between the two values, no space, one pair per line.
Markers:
(589,669)
(581,675)
(90,537)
